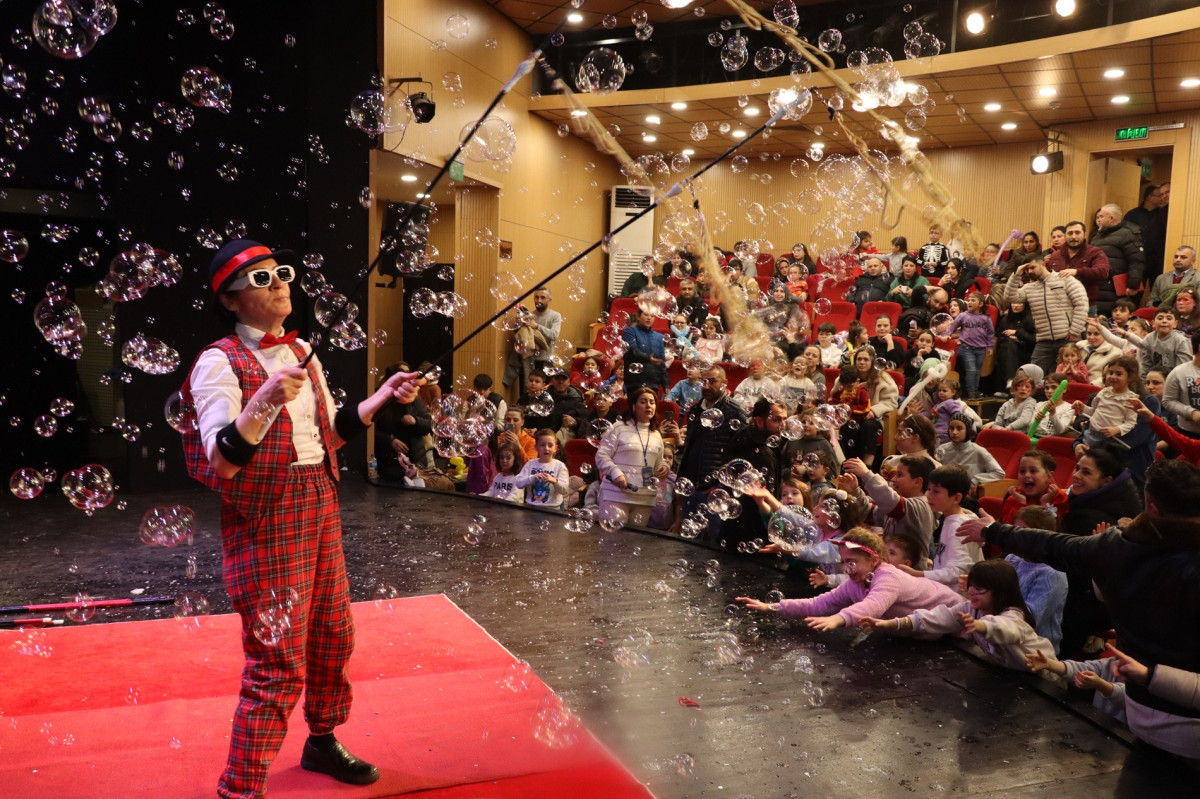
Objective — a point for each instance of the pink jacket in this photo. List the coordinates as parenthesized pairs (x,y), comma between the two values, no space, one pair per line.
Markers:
(891,594)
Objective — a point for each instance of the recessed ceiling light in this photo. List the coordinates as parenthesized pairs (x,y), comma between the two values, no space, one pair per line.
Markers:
(649,137)
(1114,72)
(1047,91)
(578,112)
(421,195)
(1009,126)
(820,145)
(1190,83)
(409,178)
(1064,8)
(678,106)
(1121,99)
(751,111)
(689,152)
(992,107)
(652,120)
(739,134)
(575,17)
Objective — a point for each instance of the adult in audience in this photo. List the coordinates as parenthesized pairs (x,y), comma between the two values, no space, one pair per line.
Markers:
(1122,243)
(873,285)
(400,428)
(1102,491)
(690,304)
(646,356)
(547,322)
(1058,303)
(1154,232)
(570,407)
(885,397)
(1148,576)
(709,439)
(1016,336)
(639,279)
(907,283)
(1031,245)
(1078,259)
(630,460)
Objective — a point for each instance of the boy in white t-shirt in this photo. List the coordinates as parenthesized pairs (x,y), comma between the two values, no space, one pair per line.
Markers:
(947,486)
(545,479)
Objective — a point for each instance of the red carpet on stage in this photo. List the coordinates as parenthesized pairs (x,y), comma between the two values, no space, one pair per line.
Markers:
(144,708)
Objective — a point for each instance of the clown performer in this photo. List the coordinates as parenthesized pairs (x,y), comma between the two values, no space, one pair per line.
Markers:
(265,438)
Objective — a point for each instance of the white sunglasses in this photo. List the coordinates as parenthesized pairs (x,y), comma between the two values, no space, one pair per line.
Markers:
(261,277)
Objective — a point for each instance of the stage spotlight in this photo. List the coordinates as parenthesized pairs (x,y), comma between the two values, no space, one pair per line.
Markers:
(1064,8)
(1043,163)
(423,108)
(976,22)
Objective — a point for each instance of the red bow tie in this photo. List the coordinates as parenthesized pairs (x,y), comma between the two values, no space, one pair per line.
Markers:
(270,340)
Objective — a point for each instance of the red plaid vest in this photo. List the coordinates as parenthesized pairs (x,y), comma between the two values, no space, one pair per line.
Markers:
(260,482)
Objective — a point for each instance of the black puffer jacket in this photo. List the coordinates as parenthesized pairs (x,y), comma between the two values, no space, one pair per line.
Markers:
(1123,246)
(1103,506)
(709,448)
(1147,575)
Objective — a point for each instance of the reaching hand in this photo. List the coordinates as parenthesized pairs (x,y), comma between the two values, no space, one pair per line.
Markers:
(848,483)
(1130,669)
(754,604)
(1037,661)
(869,623)
(856,467)
(971,531)
(824,624)
(404,386)
(818,578)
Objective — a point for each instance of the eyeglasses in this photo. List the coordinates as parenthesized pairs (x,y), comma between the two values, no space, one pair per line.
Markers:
(261,278)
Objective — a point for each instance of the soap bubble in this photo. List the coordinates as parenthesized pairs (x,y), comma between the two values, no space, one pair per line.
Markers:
(180,414)
(768,58)
(711,418)
(613,518)
(150,355)
(793,527)
(45,425)
(602,71)
(922,47)
(167,525)
(204,88)
(684,487)
(383,593)
(63,31)
(61,324)
(786,14)
(89,487)
(830,40)
(13,246)
(699,132)
(495,140)
(914,119)
(84,610)
(457,26)
(26,483)
(823,305)
(190,607)
(368,111)
(273,615)
(734,54)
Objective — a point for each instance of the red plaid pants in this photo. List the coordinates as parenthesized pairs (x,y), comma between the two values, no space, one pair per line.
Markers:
(297,544)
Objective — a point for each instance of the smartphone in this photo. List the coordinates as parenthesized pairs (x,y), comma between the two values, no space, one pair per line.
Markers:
(508,426)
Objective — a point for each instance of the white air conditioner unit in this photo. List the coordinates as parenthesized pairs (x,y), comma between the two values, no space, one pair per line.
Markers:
(631,245)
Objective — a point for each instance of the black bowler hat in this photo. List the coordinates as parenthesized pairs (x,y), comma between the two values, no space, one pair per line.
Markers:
(237,254)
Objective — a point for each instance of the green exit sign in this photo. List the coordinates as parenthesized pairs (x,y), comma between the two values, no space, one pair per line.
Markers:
(1132,134)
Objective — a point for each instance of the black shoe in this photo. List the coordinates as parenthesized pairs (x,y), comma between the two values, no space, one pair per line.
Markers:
(334,760)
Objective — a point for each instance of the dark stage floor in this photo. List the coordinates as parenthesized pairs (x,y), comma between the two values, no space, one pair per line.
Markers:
(624,624)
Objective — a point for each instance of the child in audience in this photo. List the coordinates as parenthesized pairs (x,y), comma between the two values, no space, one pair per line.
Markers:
(1099,675)
(509,462)
(1017,413)
(1165,348)
(682,333)
(856,336)
(887,345)
(797,286)
(662,515)
(817,467)
(994,617)
(1071,363)
(1053,418)
(854,395)
(976,335)
(831,351)
(1109,411)
(686,391)
(902,549)
(947,406)
(961,450)
(588,378)
(812,438)
(545,479)
(947,487)
(1044,587)
(711,344)
(615,384)
(874,589)
(922,349)
(797,388)
(1122,311)
(1035,486)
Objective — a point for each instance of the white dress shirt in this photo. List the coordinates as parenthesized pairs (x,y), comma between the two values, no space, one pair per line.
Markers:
(218,396)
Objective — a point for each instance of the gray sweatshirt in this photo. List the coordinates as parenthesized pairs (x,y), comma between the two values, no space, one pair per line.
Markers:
(1015,415)
(1181,394)
(978,462)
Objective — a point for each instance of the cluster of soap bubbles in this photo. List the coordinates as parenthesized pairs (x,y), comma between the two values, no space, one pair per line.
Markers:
(475,530)
(425,303)
(609,340)
(69,30)
(60,322)
(612,518)
(151,355)
(580,520)
(13,246)
(657,301)
(273,615)
(602,71)
(554,724)
(204,88)
(634,651)
(793,528)
(728,648)
(461,425)
(89,487)
(135,271)
(168,526)
(494,140)
(740,476)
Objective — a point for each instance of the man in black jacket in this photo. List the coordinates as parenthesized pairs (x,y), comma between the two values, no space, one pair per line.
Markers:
(401,428)
(709,444)
(1122,243)
(1153,227)
(1148,574)
(691,305)
(570,408)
